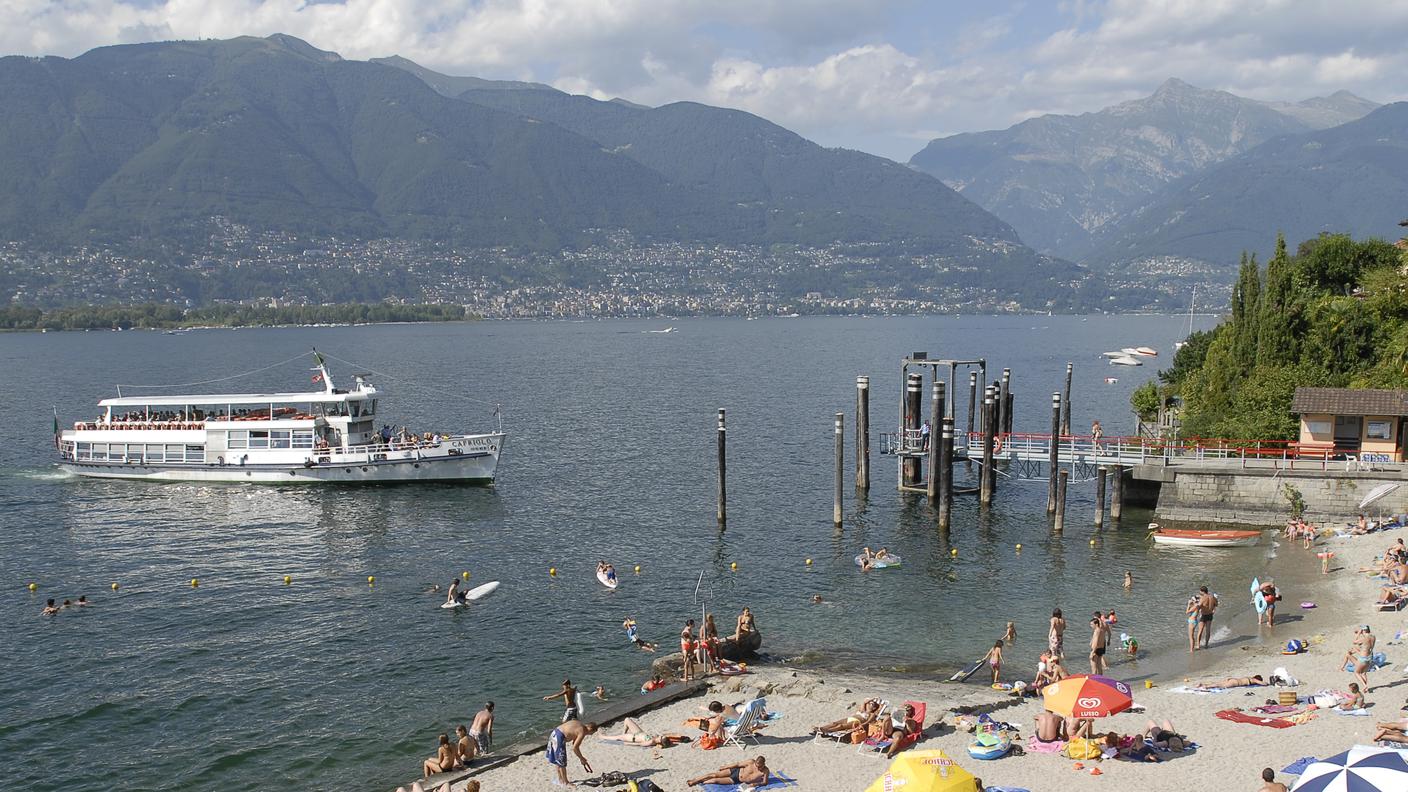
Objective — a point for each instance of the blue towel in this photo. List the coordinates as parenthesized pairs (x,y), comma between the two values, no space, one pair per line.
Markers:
(776,781)
(1298,766)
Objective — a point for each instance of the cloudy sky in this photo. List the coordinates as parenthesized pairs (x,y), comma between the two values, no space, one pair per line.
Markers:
(882,76)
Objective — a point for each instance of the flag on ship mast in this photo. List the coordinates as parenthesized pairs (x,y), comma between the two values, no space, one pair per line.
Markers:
(56,426)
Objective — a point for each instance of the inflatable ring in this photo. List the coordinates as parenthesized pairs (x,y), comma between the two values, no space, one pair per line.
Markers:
(1307,605)
(986,752)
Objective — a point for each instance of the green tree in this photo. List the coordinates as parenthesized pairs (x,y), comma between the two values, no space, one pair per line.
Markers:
(1279,317)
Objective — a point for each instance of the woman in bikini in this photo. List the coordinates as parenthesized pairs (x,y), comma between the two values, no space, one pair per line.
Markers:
(634,734)
(1192,611)
(862,717)
(745,625)
(710,636)
(687,648)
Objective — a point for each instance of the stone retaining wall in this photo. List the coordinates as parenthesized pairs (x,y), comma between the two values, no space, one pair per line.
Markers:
(1261,500)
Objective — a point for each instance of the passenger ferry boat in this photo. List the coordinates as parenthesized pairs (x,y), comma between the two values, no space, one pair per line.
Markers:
(319,436)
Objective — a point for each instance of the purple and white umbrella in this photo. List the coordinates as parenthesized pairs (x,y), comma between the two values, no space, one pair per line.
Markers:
(1363,768)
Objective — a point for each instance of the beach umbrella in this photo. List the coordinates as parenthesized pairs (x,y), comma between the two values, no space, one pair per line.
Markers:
(924,771)
(1363,768)
(1376,493)
(1087,696)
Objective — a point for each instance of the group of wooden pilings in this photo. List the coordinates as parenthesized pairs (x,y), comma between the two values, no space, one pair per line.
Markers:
(994,416)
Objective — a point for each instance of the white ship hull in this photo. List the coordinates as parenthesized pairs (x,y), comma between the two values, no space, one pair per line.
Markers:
(475,464)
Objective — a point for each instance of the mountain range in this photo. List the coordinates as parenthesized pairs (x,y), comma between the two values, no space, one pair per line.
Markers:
(154,139)
(1064,181)
(1347,179)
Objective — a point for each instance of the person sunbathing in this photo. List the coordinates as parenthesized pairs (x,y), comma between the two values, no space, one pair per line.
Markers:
(867,713)
(1079,727)
(633,733)
(901,724)
(1162,735)
(753,772)
(1231,682)
(1391,732)
(712,724)
(1135,750)
(1355,700)
(1388,595)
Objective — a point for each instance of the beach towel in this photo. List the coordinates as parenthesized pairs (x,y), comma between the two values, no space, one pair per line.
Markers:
(775,781)
(1237,716)
(1360,712)
(1298,766)
(1274,709)
(1198,690)
(1037,746)
(1376,661)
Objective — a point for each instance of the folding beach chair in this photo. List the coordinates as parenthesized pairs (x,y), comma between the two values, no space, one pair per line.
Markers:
(843,738)
(748,723)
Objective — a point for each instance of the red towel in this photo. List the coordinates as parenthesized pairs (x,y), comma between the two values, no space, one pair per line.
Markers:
(1237,716)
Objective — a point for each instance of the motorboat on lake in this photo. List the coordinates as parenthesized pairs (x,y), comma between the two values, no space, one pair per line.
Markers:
(309,437)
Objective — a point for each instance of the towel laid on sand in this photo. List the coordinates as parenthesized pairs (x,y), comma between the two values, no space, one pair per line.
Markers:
(777,781)
(1298,766)
(1360,712)
(1037,746)
(1237,716)
(1198,690)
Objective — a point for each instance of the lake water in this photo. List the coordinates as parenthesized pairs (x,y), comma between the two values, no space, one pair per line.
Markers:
(245,683)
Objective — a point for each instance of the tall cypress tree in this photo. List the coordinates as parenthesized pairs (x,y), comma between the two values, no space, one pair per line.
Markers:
(1278,315)
(1248,330)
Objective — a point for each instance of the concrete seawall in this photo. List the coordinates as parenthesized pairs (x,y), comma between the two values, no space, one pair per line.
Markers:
(1263,497)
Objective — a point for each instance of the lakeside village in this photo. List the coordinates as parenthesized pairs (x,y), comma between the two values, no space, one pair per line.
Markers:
(613,277)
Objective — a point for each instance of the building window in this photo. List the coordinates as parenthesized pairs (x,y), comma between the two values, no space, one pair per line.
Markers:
(1318,427)
(1378,430)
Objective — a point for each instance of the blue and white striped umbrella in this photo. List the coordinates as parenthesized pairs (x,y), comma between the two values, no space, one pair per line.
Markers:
(1363,768)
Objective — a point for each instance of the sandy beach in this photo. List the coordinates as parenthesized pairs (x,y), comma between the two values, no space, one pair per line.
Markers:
(1230,755)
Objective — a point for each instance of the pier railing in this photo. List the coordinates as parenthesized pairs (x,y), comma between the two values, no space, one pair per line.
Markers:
(1190,451)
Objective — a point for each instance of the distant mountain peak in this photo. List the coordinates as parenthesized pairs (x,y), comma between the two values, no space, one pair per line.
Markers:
(300,47)
(1175,85)
(452,85)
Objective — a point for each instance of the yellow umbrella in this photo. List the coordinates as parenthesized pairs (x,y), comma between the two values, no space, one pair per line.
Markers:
(924,771)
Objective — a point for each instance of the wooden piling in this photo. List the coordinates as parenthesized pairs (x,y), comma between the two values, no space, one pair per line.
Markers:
(996,432)
(723,474)
(863,433)
(1066,402)
(913,405)
(972,405)
(1116,493)
(946,474)
(1100,474)
(1060,522)
(1054,459)
(936,417)
(1003,419)
(840,465)
(985,479)
(1007,413)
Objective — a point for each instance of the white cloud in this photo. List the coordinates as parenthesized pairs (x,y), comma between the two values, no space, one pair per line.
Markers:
(871,74)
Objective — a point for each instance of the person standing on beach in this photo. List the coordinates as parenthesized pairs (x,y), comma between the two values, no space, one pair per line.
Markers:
(1361,655)
(1207,605)
(574,732)
(1099,640)
(687,648)
(1056,635)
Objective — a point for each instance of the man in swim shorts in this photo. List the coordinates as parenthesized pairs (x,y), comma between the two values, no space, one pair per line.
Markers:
(1048,727)
(1207,605)
(568,694)
(573,732)
(753,772)
(1099,640)
(482,729)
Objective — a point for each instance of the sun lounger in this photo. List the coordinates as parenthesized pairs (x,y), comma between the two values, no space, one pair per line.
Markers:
(881,746)
(843,737)
(749,720)
(1395,604)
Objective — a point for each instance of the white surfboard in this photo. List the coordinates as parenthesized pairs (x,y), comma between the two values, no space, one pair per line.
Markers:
(606,581)
(476,593)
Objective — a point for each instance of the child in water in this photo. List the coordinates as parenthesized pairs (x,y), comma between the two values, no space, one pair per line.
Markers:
(994,661)
(1011,635)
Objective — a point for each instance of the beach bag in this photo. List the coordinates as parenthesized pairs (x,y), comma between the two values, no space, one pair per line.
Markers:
(1286,698)
(1081,748)
(857,735)
(709,742)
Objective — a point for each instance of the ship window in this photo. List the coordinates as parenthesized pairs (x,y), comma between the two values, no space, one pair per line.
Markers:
(354,409)
(303,438)
(117,452)
(195,453)
(100,452)
(279,438)
(83,451)
(370,407)
(175,453)
(156,453)
(238,439)
(258,438)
